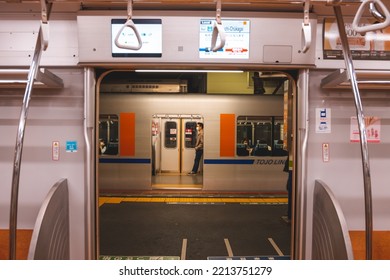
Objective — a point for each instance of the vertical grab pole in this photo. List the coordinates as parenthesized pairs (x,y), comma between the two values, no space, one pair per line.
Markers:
(19,147)
(41,44)
(362,129)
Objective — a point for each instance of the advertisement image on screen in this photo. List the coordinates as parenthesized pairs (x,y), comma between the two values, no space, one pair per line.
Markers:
(236,43)
(373,45)
(150,31)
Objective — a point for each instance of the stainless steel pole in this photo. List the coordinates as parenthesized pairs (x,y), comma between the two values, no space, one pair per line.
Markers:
(19,147)
(362,130)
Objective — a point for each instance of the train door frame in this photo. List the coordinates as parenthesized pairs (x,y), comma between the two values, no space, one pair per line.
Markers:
(296,203)
(297,222)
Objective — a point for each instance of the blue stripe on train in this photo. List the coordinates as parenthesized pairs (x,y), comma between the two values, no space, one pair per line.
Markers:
(148,161)
(125,160)
(228,161)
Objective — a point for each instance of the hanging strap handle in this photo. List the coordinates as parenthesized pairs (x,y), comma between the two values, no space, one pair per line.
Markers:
(306,28)
(129,24)
(372,27)
(375,13)
(218,30)
(45,11)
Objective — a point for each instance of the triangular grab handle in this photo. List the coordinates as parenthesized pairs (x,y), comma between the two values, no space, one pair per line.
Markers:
(218,30)
(371,27)
(44,35)
(130,24)
(306,37)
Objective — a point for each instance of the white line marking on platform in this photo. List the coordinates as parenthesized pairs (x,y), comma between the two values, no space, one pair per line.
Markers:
(228,247)
(184,249)
(280,253)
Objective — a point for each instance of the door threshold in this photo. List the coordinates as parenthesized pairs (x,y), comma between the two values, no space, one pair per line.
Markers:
(177,187)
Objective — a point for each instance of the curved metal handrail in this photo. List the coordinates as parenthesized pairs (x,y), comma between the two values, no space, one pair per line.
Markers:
(50,238)
(19,145)
(371,27)
(218,30)
(331,239)
(129,24)
(362,129)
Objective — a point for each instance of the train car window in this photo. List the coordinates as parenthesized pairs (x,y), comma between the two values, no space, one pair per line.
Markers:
(254,136)
(170,139)
(278,128)
(190,134)
(278,148)
(108,134)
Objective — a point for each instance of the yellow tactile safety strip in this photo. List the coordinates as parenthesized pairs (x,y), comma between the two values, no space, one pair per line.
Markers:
(254,200)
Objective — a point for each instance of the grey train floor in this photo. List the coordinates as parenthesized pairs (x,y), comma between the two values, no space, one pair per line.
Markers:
(193,231)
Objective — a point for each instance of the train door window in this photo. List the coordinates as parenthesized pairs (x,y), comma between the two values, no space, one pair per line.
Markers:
(190,135)
(108,134)
(170,140)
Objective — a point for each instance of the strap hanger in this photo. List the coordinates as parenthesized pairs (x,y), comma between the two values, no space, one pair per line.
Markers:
(306,27)
(371,27)
(218,30)
(45,12)
(129,24)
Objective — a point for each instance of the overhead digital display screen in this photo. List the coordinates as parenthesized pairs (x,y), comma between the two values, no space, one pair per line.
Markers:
(150,31)
(373,45)
(236,43)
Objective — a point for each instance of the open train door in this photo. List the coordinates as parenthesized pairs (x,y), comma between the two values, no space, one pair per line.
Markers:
(173,142)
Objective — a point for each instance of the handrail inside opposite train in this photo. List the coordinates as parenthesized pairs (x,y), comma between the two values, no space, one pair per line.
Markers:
(306,28)
(218,30)
(372,27)
(129,24)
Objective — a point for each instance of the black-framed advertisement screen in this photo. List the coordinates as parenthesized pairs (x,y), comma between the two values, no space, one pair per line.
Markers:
(150,31)
(237,34)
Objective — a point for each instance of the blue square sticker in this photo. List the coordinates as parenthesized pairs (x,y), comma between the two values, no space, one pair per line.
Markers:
(71,146)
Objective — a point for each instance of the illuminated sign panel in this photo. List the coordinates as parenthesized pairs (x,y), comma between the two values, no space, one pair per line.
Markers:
(237,39)
(373,45)
(150,31)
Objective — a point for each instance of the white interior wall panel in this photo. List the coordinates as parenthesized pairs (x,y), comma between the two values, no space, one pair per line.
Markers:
(18,34)
(343,172)
(54,115)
